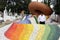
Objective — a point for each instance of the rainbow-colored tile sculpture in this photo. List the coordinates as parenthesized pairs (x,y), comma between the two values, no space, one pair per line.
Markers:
(32,32)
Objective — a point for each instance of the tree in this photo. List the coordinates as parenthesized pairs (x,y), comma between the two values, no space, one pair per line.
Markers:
(15,8)
(57,7)
(2,4)
(47,2)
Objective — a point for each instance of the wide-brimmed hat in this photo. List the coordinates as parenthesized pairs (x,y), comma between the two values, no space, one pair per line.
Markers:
(40,7)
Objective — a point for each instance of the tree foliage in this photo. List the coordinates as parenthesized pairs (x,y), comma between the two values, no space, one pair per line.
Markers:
(2,5)
(15,8)
(57,7)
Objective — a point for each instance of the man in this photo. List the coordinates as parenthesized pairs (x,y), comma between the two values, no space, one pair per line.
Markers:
(41,18)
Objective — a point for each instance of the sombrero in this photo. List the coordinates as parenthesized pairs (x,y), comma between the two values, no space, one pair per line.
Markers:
(41,7)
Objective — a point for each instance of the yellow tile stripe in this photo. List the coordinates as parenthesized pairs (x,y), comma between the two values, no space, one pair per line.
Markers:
(41,32)
(27,32)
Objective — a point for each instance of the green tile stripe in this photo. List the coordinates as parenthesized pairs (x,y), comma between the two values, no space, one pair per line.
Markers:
(52,33)
(36,19)
(46,32)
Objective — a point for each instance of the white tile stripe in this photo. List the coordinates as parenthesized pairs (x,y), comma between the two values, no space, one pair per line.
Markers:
(35,32)
(32,20)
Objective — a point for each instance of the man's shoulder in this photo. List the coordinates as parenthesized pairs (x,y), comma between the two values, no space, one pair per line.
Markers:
(39,15)
(43,15)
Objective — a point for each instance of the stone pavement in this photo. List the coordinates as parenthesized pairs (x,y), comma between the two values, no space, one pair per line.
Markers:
(2,31)
(4,24)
